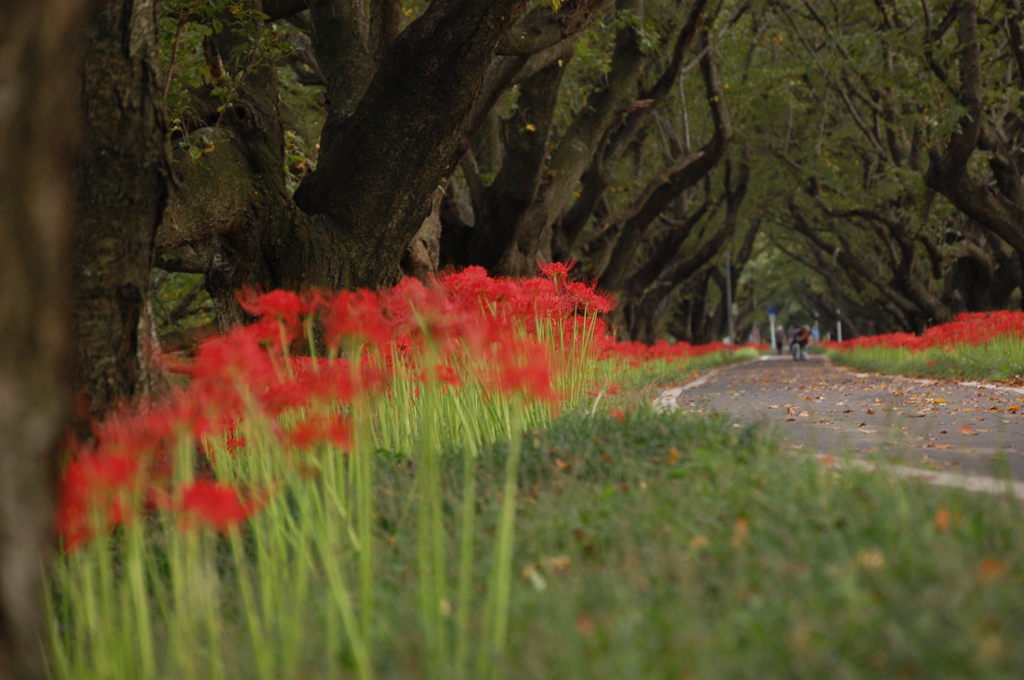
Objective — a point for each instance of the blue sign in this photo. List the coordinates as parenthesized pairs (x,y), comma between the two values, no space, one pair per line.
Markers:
(773,310)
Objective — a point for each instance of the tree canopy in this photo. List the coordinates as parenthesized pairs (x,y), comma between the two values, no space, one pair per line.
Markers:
(853,160)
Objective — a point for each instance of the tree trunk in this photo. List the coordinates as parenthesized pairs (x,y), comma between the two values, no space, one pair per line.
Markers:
(122,179)
(575,151)
(376,177)
(38,125)
(508,198)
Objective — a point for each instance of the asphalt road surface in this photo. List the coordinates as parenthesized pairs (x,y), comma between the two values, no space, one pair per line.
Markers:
(821,408)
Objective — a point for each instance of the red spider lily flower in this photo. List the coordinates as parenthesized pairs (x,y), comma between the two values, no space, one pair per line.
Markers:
(357,315)
(216,505)
(325,380)
(524,368)
(278,304)
(585,298)
(94,484)
(237,355)
(448,375)
(557,270)
(321,429)
(532,380)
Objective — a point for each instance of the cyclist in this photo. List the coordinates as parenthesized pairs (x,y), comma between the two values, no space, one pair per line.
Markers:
(799,338)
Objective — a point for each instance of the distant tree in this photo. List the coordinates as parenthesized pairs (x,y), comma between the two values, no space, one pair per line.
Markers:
(38,125)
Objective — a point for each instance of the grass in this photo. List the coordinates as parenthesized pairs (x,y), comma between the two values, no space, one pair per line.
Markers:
(999,359)
(658,546)
(417,510)
(664,372)
(698,550)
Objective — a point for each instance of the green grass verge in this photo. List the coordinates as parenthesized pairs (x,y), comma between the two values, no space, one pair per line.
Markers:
(662,372)
(655,546)
(1000,359)
(674,546)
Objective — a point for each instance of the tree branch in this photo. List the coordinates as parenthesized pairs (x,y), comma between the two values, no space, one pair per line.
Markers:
(542,28)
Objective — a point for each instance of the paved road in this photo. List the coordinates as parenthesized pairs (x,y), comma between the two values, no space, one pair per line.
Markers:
(823,408)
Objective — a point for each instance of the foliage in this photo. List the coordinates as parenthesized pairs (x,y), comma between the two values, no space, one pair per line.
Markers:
(180,509)
(781,566)
(975,345)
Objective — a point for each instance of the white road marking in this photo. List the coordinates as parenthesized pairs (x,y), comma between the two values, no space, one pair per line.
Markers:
(973,384)
(972,483)
(668,400)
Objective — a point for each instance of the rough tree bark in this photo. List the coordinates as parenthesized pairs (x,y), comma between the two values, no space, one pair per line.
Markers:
(38,124)
(575,151)
(378,170)
(255,235)
(122,177)
(687,173)
(996,202)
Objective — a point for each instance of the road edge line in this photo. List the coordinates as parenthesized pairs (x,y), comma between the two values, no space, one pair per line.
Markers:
(970,483)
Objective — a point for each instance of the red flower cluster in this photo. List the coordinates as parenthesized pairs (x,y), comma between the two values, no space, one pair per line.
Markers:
(970,328)
(465,326)
(219,506)
(639,352)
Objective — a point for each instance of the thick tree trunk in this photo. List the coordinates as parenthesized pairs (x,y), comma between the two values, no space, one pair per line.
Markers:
(508,198)
(38,125)
(376,177)
(576,150)
(122,188)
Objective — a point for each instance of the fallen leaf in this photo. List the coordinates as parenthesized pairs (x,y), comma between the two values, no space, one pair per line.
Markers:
(585,626)
(991,647)
(561,465)
(968,430)
(942,519)
(557,563)
(740,531)
(698,542)
(990,569)
(938,400)
(939,446)
(673,456)
(872,558)
(828,461)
